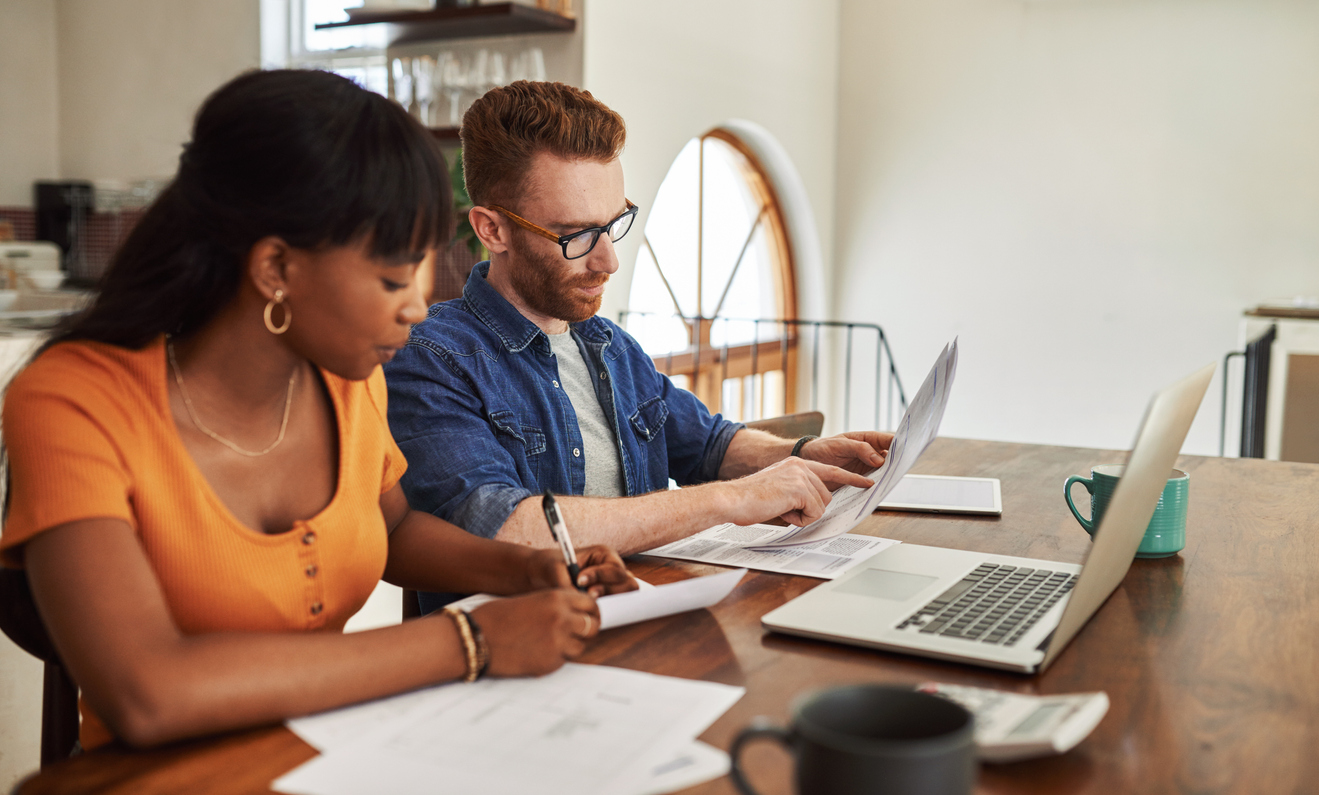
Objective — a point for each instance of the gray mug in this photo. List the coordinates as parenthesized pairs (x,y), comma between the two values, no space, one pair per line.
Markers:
(872,739)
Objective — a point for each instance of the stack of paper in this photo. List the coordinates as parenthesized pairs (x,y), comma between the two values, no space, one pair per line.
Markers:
(583,728)
(732,545)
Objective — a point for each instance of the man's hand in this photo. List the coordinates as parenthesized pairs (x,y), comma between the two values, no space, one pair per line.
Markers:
(857,451)
(794,489)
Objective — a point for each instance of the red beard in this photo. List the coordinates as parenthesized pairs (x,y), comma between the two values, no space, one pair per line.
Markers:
(545,283)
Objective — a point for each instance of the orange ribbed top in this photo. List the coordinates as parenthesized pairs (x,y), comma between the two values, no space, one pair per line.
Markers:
(90,435)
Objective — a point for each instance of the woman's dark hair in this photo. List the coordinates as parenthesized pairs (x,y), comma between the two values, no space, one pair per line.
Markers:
(308,156)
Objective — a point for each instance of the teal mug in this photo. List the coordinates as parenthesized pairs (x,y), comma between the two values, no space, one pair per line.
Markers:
(1166,533)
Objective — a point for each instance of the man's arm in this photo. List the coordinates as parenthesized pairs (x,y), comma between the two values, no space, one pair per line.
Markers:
(793,489)
(857,451)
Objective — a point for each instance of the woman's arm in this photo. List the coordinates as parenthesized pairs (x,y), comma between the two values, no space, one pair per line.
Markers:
(105,611)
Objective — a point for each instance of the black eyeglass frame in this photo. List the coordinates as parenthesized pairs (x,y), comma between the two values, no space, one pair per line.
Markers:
(564,240)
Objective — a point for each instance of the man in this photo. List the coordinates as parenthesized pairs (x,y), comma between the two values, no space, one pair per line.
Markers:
(518,386)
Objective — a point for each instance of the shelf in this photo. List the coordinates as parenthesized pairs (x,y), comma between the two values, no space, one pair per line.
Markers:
(498,19)
(445,135)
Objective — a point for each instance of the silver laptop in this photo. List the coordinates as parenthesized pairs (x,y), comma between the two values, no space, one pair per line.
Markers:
(997,610)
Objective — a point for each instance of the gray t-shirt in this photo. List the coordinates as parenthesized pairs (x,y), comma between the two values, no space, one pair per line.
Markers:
(604,475)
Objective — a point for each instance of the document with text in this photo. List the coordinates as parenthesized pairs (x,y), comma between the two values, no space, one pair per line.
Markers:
(583,728)
(918,427)
(727,545)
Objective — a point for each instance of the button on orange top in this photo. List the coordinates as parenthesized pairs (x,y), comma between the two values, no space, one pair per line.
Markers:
(90,434)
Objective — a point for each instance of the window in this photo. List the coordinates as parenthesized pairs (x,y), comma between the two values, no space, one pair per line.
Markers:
(357,53)
(714,278)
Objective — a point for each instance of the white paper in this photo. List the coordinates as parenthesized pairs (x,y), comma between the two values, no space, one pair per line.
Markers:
(726,545)
(694,764)
(919,426)
(583,728)
(691,765)
(621,609)
(650,601)
(474,601)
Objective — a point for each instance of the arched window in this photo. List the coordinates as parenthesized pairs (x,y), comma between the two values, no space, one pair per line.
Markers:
(714,277)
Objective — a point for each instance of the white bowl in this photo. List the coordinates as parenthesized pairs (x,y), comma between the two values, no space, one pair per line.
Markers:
(7,299)
(45,280)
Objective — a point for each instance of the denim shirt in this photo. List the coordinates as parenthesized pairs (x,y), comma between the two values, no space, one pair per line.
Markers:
(476,407)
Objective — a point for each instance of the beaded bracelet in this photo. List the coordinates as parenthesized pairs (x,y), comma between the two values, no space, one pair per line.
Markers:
(474,646)
(482,648)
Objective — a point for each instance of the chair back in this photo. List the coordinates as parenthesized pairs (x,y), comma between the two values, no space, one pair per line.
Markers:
(22,624)
(791,426)
(19,618)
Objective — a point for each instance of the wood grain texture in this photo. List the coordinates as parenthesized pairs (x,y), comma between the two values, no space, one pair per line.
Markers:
(1209,657)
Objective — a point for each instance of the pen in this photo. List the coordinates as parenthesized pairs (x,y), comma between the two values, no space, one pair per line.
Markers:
(560,532)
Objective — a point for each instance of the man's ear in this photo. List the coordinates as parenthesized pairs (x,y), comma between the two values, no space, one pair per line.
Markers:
(267,265)
(491,228)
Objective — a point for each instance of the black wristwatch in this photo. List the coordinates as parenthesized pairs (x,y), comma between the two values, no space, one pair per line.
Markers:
(796,448)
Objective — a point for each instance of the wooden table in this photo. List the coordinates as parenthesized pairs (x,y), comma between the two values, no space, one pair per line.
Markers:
(1209,657)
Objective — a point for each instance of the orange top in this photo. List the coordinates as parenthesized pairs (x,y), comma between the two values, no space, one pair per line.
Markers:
(90,435)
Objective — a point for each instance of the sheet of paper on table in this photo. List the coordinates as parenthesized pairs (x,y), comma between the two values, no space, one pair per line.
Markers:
(727,545)
(583,728)
(919,425)
(650,601)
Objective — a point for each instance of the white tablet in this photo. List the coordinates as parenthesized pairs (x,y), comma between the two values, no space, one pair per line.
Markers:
(943,494)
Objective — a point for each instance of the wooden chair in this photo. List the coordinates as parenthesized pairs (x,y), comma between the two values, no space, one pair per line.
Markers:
(791,426)
(59,704)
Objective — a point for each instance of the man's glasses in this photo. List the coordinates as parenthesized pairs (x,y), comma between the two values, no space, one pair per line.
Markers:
(579,244)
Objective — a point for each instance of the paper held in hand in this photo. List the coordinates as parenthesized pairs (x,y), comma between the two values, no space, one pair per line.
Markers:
(849,504)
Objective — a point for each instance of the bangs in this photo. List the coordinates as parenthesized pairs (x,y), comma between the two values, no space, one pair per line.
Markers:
(394,182)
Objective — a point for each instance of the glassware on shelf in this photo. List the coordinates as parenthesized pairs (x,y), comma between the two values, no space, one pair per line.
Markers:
(455,76)
(535,64)
(423,88)
(527,65)
(401,89)
(497,75)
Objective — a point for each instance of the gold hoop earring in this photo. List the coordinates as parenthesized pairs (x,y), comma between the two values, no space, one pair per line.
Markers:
(278,300)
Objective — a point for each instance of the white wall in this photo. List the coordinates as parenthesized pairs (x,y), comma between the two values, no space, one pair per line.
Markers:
(29,99)
(1089,192)
(676,69)
(133,72)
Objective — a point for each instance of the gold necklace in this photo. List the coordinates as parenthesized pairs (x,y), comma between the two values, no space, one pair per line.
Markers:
(192,412)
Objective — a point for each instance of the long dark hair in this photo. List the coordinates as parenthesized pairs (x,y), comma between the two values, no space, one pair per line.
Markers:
(308,156)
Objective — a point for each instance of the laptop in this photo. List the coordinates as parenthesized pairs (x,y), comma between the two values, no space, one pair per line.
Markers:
(1000,611)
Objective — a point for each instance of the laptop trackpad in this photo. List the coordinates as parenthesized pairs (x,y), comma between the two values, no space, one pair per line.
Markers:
(882,584)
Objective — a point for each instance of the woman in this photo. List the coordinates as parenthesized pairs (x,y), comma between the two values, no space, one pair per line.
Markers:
(203,484)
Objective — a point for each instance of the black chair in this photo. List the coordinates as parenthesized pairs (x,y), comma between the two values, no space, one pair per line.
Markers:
(59,704)
(1254,395)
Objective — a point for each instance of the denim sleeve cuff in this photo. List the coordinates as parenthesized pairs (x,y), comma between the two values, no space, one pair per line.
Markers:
(715,450)
(487,508)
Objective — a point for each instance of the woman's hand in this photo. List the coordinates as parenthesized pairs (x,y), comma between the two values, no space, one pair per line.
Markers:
(601,571)
(534,634)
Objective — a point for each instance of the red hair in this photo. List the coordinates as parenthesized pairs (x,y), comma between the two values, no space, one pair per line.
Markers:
(506,127)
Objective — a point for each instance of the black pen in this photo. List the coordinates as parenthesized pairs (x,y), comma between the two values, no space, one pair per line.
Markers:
(560,532)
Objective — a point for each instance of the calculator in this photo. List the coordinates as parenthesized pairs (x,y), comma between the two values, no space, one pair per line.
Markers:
(1011,726)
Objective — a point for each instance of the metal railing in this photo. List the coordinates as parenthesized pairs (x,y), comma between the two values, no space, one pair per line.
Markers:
(802,337)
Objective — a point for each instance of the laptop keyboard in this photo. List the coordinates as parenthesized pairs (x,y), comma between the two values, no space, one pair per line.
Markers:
(994,604)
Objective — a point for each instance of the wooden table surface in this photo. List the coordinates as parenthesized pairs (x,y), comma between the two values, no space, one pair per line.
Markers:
(1209,657)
